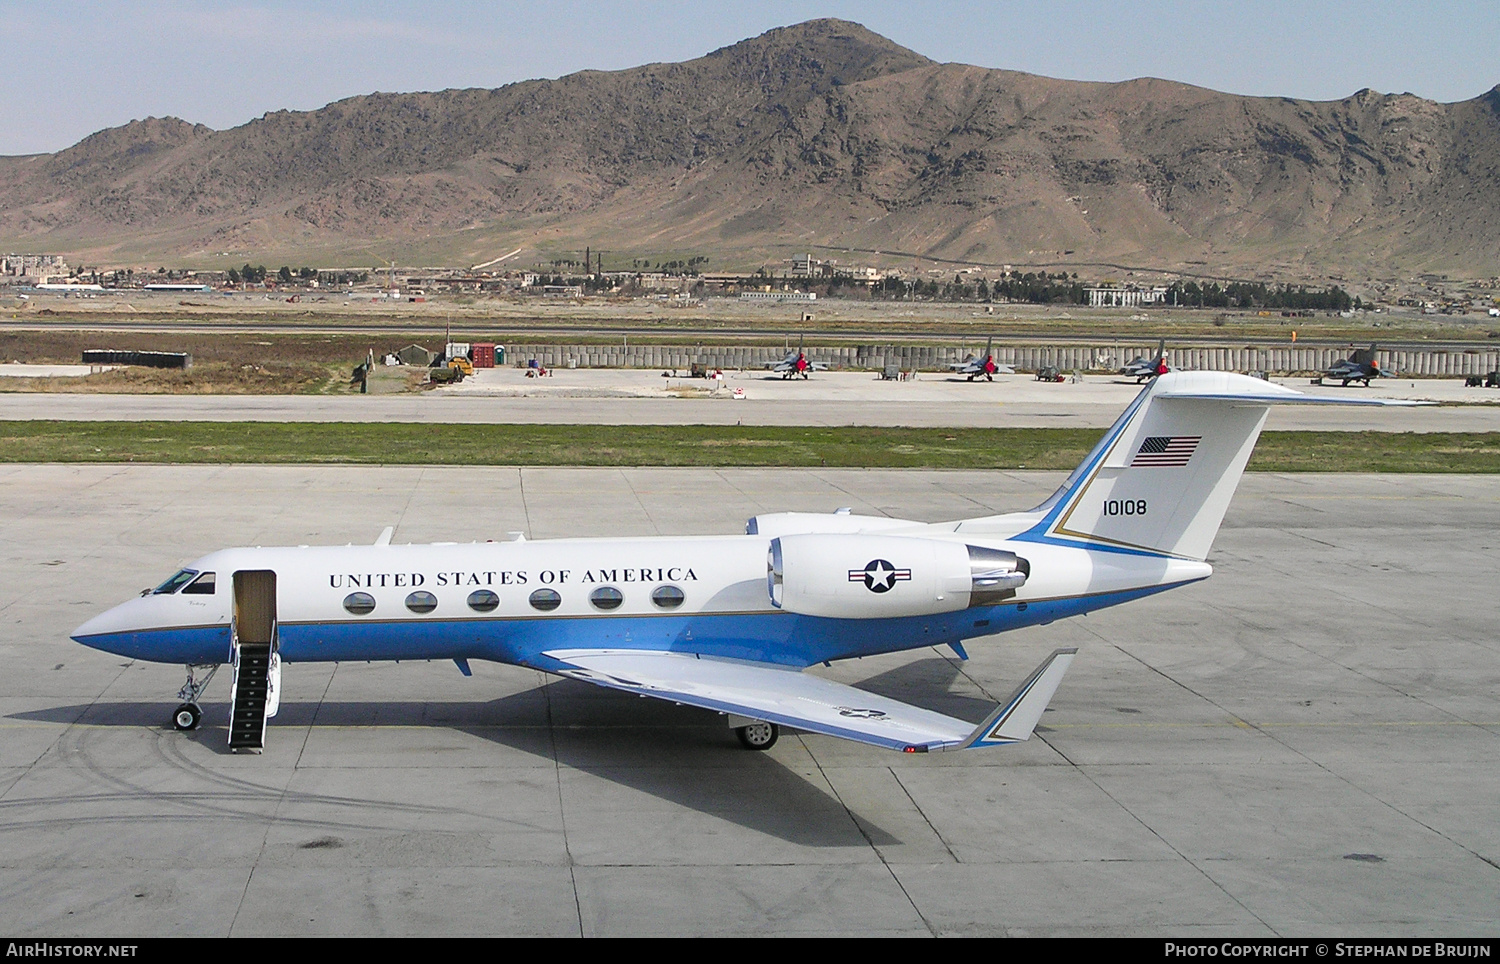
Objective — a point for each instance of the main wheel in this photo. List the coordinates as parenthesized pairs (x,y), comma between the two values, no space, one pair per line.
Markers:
(186,716)
(758,736)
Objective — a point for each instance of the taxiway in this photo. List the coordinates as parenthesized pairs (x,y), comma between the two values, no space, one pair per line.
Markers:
(633,396)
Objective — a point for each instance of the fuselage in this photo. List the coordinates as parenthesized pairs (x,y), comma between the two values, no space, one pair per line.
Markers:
(512,602)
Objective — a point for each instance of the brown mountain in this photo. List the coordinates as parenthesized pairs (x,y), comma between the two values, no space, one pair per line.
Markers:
(818,136)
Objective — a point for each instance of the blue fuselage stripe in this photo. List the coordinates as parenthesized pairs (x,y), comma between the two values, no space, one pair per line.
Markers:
(780,638)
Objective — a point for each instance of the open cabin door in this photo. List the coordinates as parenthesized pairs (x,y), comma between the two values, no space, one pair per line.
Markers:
(257,666)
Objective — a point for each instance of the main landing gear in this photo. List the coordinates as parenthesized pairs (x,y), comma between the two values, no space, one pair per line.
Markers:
(188,715)
(758,735)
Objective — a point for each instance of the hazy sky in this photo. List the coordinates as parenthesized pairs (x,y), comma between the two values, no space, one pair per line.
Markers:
(71,69)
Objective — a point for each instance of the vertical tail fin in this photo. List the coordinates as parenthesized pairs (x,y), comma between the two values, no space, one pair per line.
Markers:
(1161,478)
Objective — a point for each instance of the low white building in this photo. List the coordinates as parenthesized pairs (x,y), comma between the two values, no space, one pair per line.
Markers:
(774,296)
(1111,296)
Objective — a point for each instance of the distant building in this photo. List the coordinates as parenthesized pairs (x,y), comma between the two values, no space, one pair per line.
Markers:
(43,267)
(179,288)
(653,280)
(1111,296)
(806,266)
(562,291)
(774,296)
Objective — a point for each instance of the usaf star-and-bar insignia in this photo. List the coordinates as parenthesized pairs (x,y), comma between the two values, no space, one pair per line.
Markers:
(879,575)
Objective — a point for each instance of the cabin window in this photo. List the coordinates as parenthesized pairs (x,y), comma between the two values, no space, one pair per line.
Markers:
(667,597)
(202,586)
(179,579)
(421,602)
(546,600)
(359,603)
(606,598)
(483,601)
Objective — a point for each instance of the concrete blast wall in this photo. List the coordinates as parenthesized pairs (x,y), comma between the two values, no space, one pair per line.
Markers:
(1286,360)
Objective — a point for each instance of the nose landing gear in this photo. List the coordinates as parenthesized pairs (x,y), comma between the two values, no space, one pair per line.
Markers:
(188,715)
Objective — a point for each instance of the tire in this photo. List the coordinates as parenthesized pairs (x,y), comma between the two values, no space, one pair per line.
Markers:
(186,717)
(758,736)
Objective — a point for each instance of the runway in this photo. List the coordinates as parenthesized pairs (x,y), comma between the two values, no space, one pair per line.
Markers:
(627,396)
(1303,745)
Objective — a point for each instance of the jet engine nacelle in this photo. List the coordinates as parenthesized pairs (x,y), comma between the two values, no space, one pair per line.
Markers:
(871,576)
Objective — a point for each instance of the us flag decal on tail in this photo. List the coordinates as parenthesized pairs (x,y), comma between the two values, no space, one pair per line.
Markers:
(1164,450)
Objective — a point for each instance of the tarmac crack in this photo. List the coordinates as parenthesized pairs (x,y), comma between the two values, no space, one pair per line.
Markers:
(719,474)
(625,477)
(411,495)
(1392,687)
(870,841)
(307,732)
(925,819)
(562,812)
(1267,732)
(525,508)
(1083,772)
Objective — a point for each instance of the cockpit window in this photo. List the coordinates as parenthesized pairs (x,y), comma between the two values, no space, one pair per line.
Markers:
(179,579)
(202,586)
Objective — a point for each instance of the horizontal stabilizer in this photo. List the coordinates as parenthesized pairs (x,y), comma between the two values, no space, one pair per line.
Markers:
(790,697)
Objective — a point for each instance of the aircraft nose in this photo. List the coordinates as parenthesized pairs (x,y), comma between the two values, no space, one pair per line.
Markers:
(98,632)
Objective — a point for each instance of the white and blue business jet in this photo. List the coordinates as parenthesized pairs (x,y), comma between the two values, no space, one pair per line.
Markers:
(729,623)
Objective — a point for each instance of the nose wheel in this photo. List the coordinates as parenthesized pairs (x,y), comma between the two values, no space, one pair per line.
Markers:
(186,716)
(758,735)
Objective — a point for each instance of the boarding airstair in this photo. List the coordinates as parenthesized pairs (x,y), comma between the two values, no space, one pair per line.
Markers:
(257,665)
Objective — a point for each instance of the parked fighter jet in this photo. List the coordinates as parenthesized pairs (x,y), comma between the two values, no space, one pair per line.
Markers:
(1143,368)
(796,363)
(984,365)
(1358,367)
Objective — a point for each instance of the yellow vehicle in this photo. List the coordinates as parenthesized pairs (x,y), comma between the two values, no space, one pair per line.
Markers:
(456,370)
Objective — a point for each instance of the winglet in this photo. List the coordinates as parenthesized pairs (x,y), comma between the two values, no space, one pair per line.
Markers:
(384,539)
(1015,719)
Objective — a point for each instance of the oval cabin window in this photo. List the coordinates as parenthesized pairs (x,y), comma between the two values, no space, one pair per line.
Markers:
(606,598)
(667,597)
(359,603)
(546,600)
(421,602)
(483,601)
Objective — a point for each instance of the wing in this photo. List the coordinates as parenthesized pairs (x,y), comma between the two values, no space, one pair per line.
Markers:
(790,697)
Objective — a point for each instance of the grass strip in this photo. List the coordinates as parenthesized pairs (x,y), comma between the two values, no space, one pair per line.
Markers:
(402,443)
